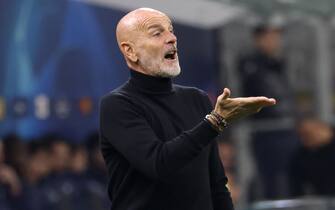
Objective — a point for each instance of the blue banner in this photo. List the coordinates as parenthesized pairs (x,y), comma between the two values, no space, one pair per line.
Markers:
(57,58)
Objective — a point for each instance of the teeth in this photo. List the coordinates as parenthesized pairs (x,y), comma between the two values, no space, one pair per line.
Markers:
(170,54)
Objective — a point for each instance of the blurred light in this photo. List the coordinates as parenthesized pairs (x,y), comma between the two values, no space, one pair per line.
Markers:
(2,108)
(62,108)
(20,107)
(288,1)
(42,107)
(277,20)
(86,105)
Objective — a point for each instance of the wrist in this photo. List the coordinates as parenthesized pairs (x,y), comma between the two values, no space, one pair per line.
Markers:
(217,121)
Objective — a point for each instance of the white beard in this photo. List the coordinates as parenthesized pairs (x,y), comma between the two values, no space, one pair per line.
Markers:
(157,67)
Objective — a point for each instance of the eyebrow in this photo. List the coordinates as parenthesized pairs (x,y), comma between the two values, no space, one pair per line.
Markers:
(155,26)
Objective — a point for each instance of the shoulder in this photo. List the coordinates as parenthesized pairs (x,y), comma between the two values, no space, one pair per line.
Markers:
(192,91)
(195,96)
(119,105)
(117,99)
(113,95)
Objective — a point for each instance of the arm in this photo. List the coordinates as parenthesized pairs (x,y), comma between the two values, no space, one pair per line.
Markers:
(123,125)
(218,180)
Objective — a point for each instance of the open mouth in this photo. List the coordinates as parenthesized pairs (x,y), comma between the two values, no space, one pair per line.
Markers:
(171,55)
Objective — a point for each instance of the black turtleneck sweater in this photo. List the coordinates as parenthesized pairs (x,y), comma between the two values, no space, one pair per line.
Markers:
(160,152)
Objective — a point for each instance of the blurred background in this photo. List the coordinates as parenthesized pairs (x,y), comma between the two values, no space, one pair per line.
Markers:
(58,57)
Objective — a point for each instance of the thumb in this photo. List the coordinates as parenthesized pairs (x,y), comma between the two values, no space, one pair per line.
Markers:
(226,93)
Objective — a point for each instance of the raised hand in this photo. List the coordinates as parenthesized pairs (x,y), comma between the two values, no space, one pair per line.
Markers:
(234,108)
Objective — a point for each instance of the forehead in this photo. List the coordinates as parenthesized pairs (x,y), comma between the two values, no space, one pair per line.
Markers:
(149,20)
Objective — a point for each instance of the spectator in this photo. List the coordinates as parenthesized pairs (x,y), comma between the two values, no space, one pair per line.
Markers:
(97,168)
(79,159)
(15,153)
(59,154)
(97,174)
(262,72)
(58,186)
(77,179)
(227,155)
(10,184)
(38,168)
(312,168)
(56,175)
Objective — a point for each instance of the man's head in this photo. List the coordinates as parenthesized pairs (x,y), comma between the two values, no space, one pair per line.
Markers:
(268,39)
(146,39)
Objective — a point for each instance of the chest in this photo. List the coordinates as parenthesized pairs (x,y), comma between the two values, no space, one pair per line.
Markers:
(170,115)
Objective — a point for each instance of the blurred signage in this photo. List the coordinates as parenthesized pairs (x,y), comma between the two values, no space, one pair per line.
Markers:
(2,108)
(42,107)
(62,108)
(85,105)
(20,107)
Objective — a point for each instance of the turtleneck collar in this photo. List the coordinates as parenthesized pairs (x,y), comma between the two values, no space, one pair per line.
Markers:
(150,84)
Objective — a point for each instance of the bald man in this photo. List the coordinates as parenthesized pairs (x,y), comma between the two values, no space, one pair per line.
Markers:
(158,138)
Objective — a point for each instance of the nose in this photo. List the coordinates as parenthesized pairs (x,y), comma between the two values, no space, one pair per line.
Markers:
(171,39)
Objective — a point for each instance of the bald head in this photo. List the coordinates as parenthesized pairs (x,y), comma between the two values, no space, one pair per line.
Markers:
(146,39)
(128,27)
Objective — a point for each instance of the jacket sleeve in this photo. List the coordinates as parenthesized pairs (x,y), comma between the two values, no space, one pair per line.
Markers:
(124,127)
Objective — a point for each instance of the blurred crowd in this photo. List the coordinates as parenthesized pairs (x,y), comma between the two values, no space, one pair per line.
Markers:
(52,173)
(293,151)
(308,168)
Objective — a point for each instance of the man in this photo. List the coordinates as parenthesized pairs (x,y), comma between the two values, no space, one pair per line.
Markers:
(262,72)
(159,148)
(312,165)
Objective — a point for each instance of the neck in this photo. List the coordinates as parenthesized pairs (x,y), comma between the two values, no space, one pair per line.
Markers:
(150,84)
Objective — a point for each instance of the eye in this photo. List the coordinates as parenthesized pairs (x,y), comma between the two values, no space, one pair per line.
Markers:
(157,34)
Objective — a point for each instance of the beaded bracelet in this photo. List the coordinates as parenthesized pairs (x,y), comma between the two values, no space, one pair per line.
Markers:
(219,121)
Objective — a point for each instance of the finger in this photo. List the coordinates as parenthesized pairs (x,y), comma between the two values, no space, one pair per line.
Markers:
(273,101)
(269,101)
(226,93)
(261,100)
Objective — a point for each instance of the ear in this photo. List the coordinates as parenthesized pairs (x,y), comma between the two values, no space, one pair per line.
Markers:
(129,51)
